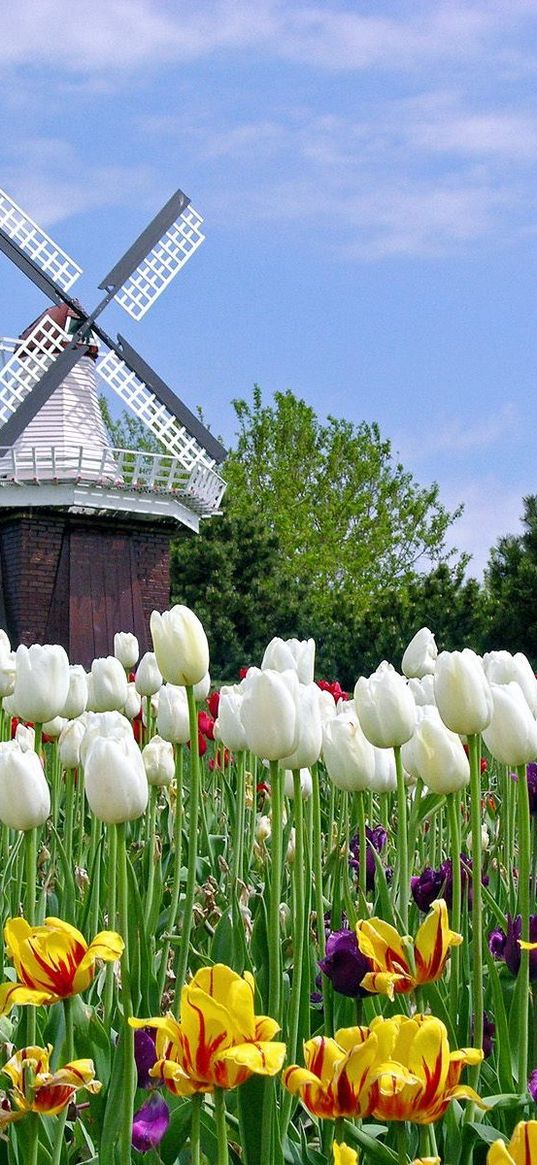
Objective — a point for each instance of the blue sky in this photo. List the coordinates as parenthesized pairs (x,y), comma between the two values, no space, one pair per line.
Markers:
(367,174)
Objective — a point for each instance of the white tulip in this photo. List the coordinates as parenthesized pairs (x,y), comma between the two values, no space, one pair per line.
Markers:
(77,696)
(133,703)
(291,655)
(69,743)
(8,671)
(462,692)
(181,646)
(154,701)
(41,682)
(110,685)
(53,727)
(385,707)
(327,706)
(310,730)
(159,761)
(503,668)
(5,642)
(263,828)
(148,678)
(25,737)
(103,725)
(439,756)
(420,657)
(269,713)
(202,689)
(347,754)
(511,736)
(306,784)
(172,716)
(115,780)
(384,778)
(126,649)
(422,691)
(228,727)
(24,792)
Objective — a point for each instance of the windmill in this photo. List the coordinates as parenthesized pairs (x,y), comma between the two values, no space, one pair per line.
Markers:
(85,528)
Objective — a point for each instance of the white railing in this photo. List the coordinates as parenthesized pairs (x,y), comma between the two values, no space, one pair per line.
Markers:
(113,469)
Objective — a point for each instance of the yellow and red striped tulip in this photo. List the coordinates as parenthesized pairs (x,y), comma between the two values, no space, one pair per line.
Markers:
(52,961)
(339,1073)
(521,1150)
(419,1046)
(34,1088)
(218,1041)
(391,971)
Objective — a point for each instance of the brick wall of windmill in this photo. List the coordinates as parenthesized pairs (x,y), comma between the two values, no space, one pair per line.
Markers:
(75,580)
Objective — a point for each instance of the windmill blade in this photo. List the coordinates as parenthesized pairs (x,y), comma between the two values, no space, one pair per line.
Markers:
(157,256)
(153,402)
(35,243)
(29,377)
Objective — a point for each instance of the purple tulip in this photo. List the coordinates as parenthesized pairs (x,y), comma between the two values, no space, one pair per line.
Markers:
(531,774)
(376,840)
(432,884)
(344,963)
(505,945)
(150,1123)
(145,1055)
(426,888)
(532,1085)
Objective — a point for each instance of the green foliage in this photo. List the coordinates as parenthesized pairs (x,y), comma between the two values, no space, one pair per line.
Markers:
(127,432)
(511,588)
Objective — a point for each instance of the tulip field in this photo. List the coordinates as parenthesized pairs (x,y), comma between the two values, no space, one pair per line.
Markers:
(272,923)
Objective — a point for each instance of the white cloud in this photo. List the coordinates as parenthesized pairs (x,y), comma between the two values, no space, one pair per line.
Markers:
(458,436)
(491,510)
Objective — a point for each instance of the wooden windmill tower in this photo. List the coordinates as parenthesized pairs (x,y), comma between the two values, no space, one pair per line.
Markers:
(85,528)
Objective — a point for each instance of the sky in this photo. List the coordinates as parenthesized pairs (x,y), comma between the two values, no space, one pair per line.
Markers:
(367,175)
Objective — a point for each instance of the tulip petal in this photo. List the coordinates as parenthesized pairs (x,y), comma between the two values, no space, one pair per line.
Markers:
(264,1058)
(433,942)
(12,994)
(343,1155)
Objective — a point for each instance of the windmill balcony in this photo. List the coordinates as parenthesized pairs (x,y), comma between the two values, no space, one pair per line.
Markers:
(102,478)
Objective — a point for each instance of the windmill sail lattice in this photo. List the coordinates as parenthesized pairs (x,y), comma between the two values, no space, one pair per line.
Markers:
(34,375)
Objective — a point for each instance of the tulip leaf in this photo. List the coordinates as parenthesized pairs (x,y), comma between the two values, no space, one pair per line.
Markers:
(486,1132)
(69,896)
(178,1132)
(250,1105)
(143,979)
(380,1153)
(502,1041)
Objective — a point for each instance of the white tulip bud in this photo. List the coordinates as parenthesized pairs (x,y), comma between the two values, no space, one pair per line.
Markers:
(115,780)
(172,716)
(384,778)
(180,644)
(133,703)
(291,655)
(228,727)
(107,725)
(41,682)
(148,678)
(420,657)
(159,761)
(53,727)
(306,784)
(439,756)
(503,668)
(8,671)
(462,692)
(126,649)
(511,735)
(70,740)
(310,730)
(110,686)
(202,689)
(347,754)
(77,696)
(25,737)
(269,713)
(24,792)
(385,707)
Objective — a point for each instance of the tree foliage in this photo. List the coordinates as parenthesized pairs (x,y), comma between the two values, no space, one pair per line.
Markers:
(322,534)
(511,588)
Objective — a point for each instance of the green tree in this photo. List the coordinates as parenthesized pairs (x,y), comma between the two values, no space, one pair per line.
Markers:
(511,588)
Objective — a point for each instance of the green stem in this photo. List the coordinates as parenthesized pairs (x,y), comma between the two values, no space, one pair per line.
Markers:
(453,808)
(362,872)
(30,865)
(112,910)
(127,1032)
(34,1122)
(477,903)
(194,804)
(69,814)
(95,873)
(237,862)
(403,885)
(299,933)
(151,830)
(402,1141)
(275,977)
(524,867)
(221,1127)
(195,1129)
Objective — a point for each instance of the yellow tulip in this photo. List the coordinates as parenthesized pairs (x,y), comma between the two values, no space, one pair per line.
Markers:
(52,961)
(36,1089)
(391,970)
(336,1080)
(343,1155)
(218,1040)
(420,1046)
(521,1150)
